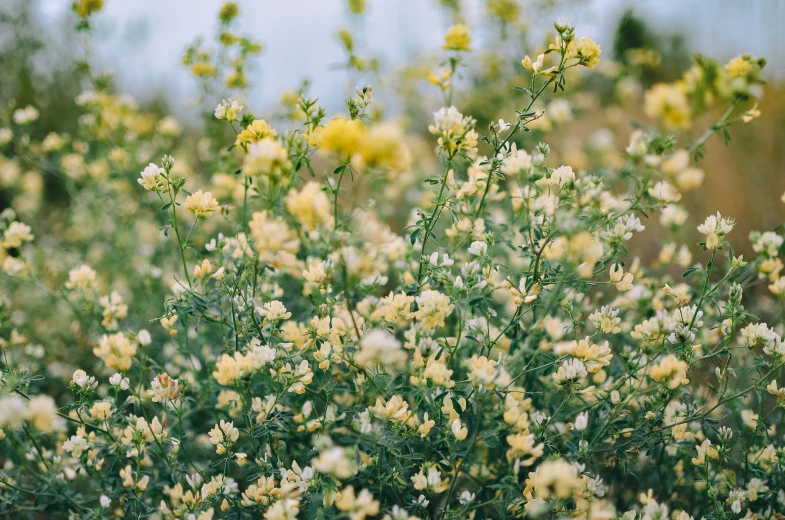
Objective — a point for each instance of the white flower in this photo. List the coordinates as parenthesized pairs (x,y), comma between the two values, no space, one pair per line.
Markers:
(715,228)
(105,501)
(466,498)
(478,248)
(768,243)
(6,134)
(12,411)
(16,234)
(560,111)
(81,278)
(143,337)
(522,294)
(606,320)
(622,280)
(673,216)
(582,421)
(637,147)
(380,348)
(570,371)
(518,161)
(164,388)
(274,311)
(120,381)
(152,178)
(335,461)
(623,228)
(561,176)
(503,126)
(664,193)
(76,445)
(456,131)
(228,110)
(82,380)
(25,115)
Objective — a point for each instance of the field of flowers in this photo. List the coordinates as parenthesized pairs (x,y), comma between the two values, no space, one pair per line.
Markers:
(438,313)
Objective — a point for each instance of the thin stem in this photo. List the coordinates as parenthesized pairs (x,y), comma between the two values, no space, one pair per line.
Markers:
(172,197)
(431,221)
(705,287)
(336,193)
(713,129)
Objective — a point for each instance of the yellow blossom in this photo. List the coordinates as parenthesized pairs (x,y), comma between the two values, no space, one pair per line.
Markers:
(457,38)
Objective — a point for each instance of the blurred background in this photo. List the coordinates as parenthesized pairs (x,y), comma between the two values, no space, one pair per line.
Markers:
(141,42)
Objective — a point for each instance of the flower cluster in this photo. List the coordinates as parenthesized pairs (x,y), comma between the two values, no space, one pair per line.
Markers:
(364,328)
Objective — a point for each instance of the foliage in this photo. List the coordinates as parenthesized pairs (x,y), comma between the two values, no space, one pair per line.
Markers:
(242,329)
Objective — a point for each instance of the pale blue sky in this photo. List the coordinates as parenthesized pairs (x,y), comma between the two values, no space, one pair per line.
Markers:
(142,41)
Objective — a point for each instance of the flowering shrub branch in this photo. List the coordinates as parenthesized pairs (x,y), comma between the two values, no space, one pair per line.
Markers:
(298,354)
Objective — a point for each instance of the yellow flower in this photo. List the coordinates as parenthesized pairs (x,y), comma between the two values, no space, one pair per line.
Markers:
(433,308)
(346,38)
(255,132)
(116,350)
(457,38)
(533,66)
(358,507)
(228,12)
(556,478)
(671,371)
(16,234)
(101,410)
(524,445)
(267,158)
(668,102)
(383,147)
(203,69)
(357,6)
(42,413)
(201,204)
(505,10)
(87,7)
(593,356)
(586,51)
(276,243)
(425,427)
(309,206)
(751,114)
(341,136)
(738,67)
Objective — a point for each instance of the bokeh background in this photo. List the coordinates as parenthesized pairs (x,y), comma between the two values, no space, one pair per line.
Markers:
(142,41)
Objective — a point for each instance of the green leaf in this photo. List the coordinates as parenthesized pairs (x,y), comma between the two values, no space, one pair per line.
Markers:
(690,271)
(339,169)
(166,206)
(315,505)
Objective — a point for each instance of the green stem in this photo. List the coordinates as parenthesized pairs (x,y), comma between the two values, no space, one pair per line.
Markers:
(713,129)
(705,287)
(431,221)
(336,193)
(177,234)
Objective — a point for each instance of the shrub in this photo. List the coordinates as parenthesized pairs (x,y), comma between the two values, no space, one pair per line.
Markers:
(244,328)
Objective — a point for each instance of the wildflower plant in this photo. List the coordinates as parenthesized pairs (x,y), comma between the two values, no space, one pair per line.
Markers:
(244,328)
